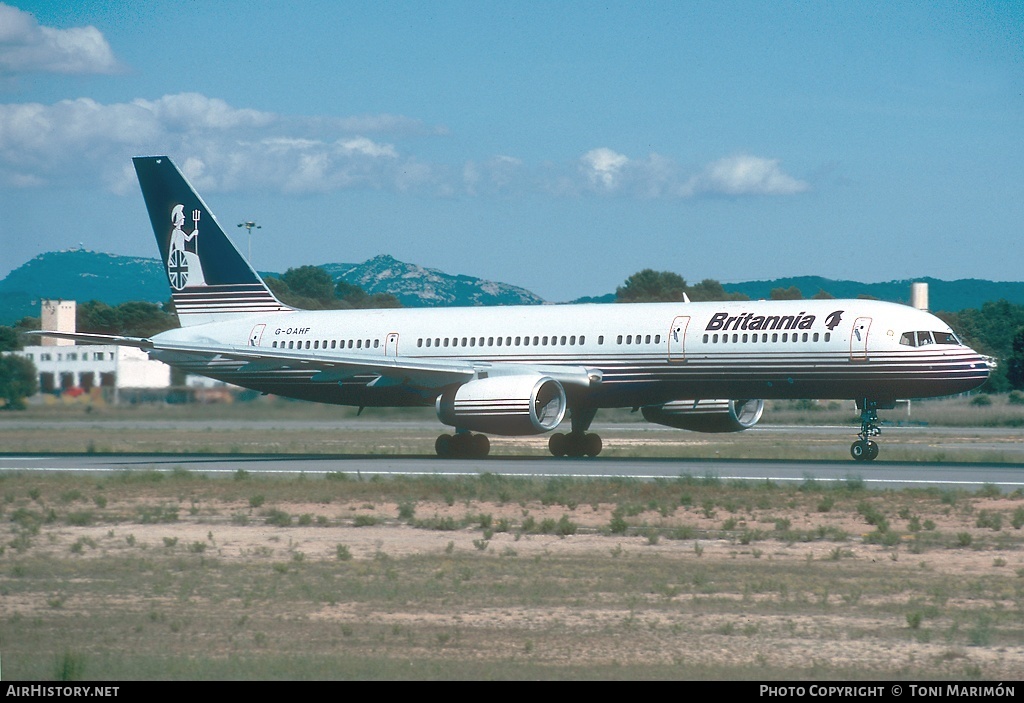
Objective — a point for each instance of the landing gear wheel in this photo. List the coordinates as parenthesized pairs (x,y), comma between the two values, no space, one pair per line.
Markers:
(443,445)
(864,450)
(480,446)
(462,445)
(575,444)
(557,444)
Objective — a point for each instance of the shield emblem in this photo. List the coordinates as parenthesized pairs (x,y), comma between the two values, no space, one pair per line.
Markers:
(177,269)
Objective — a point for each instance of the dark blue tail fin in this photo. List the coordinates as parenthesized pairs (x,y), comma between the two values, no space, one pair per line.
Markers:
(210,280)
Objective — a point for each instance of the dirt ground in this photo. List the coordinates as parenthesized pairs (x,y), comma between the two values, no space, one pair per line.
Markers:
(711,602)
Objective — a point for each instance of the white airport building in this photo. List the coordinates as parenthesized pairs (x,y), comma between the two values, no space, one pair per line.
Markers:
(65,367)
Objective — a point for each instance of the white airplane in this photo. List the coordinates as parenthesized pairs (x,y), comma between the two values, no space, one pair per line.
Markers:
(518,370)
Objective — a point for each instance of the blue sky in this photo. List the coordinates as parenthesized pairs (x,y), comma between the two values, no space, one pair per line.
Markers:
(560,146)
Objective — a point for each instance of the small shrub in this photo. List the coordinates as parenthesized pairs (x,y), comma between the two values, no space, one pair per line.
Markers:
(170,541)
(365,521)
(256,501)
(981,400)
(344,554)
(989,490)
(991,520)
(197,547)
(80,518)
(279,518)
(70,666)
(1018,518)
(565,526)
(618,524)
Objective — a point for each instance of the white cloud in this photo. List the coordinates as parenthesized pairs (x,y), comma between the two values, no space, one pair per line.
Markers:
(744,175)
(609,172)
(602,166)
(28,47)
(365,147)
(188,112)
(221,147)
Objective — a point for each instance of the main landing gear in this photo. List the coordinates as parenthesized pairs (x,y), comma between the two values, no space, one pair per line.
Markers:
(578,442)
(864,449)
(462,445)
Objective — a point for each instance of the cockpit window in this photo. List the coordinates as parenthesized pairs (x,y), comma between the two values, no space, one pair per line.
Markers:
(924,338)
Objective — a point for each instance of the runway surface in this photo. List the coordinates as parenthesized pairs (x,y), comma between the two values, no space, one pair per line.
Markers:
(877,475)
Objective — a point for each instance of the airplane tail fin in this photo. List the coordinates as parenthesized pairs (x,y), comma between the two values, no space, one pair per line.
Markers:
(210,280)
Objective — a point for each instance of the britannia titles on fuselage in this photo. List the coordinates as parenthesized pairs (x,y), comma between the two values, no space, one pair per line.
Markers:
(750,321)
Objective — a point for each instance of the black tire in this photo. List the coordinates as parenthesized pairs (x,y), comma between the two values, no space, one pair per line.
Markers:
(574,445)
(480,446)
(443,445)
(859,450)
(557,444)
(872,450)
(592,444)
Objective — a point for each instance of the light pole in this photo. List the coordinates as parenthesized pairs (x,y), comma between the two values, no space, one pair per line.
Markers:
(249,227)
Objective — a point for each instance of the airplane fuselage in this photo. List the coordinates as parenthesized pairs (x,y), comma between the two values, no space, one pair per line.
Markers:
(635,354)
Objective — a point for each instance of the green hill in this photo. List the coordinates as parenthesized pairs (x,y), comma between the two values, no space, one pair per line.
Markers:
(81,275)
(951,296)
(87,275)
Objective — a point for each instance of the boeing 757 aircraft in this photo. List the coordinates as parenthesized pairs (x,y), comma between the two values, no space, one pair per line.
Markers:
(519,370)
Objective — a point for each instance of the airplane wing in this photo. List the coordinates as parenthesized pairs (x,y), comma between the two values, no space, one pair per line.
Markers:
(88,338)
(332,367)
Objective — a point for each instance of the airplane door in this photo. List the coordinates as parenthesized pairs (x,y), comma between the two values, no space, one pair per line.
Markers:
(859,339)
(677,338)
(256,335)
(391,344)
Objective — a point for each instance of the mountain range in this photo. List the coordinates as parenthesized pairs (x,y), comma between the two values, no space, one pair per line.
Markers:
(83,275)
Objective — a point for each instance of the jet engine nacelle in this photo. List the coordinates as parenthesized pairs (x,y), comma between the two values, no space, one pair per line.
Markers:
(706,415)
(521,404)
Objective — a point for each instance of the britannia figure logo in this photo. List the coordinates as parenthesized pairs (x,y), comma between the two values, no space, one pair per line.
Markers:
(184,269)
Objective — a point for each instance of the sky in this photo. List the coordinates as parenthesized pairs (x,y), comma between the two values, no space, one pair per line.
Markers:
(559,146)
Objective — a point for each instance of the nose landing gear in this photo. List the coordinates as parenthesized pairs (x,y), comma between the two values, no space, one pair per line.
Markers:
(864,449)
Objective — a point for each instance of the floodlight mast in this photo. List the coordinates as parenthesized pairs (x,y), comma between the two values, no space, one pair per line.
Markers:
(249,226)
